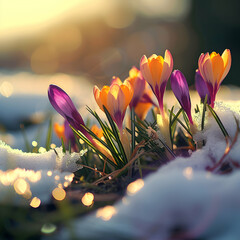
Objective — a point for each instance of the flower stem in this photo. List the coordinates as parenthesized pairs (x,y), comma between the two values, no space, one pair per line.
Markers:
(133,128)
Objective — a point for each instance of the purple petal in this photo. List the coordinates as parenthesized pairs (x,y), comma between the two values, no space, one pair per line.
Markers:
(181,91)
(202,87)
(68,132)
(65,107)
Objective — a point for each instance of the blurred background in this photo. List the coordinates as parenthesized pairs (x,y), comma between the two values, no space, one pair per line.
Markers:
(78,43)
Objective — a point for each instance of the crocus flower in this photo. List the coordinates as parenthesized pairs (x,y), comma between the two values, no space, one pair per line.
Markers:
(156,71)
(144,104)
(115,98)
(214,69)
(97,131)
(201,87)
(59,130)
(65,132)
(65,107)
(181,91)
(138,85)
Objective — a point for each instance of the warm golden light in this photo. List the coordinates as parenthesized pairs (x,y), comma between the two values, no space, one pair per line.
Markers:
(87,199)
(53,146)
(188,173)
(135,186)
(42,150)
(6,89)
(35,202)
(34,143)
(59,194)
(69,177)
(49,173)
(106,213)
(21,186)
(57,177)
(14,176)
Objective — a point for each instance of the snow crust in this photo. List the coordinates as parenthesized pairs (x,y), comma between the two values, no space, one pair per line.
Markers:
(41,172)
(182,200)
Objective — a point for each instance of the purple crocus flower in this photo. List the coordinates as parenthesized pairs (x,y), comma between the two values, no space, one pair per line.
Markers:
(65,107)
(181,91)
(201,87)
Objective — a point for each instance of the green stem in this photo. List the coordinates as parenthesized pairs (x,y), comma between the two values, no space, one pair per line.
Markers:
(133,128)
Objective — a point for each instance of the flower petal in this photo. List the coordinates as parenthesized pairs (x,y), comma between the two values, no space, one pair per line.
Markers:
(144,68)
(156,67)
(217,66)
(227,59)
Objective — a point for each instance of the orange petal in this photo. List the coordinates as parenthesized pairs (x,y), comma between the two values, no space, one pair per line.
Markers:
(156,66)
(96,93)
(103,96)
(103,150)
(133,73)
(128,94)
(217,66)
(59,130)
(115,99)
(226,56)
(142,109)
(144,67)
(116,80)
(205,68)
(96,130)
(167,66)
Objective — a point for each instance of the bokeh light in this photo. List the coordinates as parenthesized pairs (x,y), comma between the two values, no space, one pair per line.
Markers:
(35,202)
(59,194)
(106,213)
(135,186)
(87,199)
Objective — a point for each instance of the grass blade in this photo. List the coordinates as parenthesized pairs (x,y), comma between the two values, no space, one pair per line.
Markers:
(224,131)
(204,111)
(133,128)
(115,132)
(49,135)
(63,146)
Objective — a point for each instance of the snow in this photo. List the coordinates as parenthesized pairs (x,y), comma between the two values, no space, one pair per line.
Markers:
(41,172)
(181,200)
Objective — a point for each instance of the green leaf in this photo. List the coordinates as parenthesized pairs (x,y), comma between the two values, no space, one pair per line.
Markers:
(63,145)
(86,140)
(115,132)
(107,133)
(204,111)
(170,126)
(49,135)
(224,131)
(186,120)
(133,128)
(69,146)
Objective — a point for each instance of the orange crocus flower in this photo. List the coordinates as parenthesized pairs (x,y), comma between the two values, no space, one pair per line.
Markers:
(60,131)
(145,104)
(97,131)
(156,70)
(138,84)
(115,98)
(213,69)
